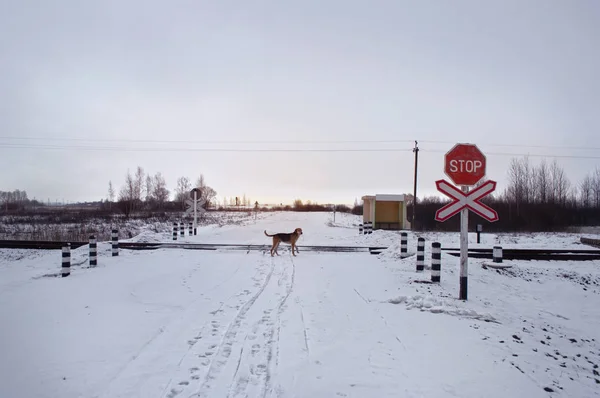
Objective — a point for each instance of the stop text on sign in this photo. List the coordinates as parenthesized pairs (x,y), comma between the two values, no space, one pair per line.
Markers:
(465,164)
(468,166)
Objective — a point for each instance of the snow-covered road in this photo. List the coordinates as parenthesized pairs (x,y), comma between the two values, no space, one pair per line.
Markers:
(185,323)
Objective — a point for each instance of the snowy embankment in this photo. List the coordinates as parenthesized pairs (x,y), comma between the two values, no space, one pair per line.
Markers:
(187,323)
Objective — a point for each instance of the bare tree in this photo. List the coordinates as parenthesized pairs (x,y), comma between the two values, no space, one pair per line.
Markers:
(182,191)
(127,195)
(148,189)
(139,184)
(585,191)
(560,183)
(542,182)
(111,192)
(160,193)
(515,191)
(596,187)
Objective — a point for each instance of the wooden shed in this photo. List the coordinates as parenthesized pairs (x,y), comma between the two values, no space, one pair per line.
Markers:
(385,211)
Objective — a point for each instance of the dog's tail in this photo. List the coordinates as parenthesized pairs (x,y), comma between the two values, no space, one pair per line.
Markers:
(268,234)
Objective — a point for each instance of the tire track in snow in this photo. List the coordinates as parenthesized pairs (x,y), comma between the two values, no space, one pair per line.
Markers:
(259,359)
(277,332)
(225,346)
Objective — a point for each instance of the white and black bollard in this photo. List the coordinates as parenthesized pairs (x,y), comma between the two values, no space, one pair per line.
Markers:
(436,262)
(497,254)
(420,254)
(403,244)
(195,230)
(66,260)
(174,231)
(190,228)
(93,251)
(115,243)
(360,229)
(181,229)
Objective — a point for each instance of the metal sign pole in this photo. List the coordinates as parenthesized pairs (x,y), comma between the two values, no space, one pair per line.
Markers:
(195,211)
(464,249)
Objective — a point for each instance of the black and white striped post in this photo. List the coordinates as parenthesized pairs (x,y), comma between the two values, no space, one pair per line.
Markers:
(115,243)
(191,228)
(420,254)
(93,251)
(175,231)
(497,254)
(66,260)
(403,244)
(360,229)
(181,229)
(436,261)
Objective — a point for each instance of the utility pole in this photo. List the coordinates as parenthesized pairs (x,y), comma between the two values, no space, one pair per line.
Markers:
(414,212)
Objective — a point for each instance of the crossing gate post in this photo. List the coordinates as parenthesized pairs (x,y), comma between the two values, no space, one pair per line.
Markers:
(93,251)
(360,229)
(181,229)
(66,260)
(175,231)
(420,254)
(497,254)
(190,228)
(370,227)
(115,243)
(436,261)
(403,244)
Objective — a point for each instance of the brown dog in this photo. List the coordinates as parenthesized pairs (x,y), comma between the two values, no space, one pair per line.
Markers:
(289,238)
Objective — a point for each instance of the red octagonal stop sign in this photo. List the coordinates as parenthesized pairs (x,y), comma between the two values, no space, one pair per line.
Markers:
(465,164)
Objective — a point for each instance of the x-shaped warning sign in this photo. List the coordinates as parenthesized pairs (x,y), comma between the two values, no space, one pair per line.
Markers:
(470,200)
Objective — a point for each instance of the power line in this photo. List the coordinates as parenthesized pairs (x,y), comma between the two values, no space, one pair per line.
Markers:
(524,154)
(125,149)
(241,150)
(233,142)
(520,145)
(207,141)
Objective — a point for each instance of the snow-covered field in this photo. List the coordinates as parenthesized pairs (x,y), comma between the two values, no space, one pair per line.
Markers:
(188,323)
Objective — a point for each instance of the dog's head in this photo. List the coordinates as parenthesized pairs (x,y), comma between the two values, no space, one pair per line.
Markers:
(298,231)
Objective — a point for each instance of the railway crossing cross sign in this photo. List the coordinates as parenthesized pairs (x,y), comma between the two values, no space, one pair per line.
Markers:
(465,164)
(469,200)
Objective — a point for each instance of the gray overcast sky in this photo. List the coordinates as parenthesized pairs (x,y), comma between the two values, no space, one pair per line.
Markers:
(521,73)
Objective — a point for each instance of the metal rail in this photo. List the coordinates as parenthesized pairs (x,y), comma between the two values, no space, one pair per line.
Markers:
(507,254)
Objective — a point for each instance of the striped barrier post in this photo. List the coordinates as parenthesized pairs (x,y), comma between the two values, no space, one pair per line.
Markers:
(497,254)
(191,228)
(403,244)
(436,261)
(420,254)
(115,243)
(360,229)
(93,251)
(370,227)
(195,230)
(174,231)
(66,260)
(181,229)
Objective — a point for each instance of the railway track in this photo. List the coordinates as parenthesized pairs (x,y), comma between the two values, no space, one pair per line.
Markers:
(507,254)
